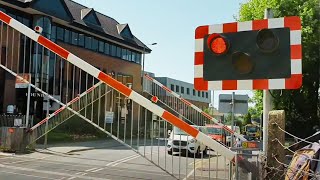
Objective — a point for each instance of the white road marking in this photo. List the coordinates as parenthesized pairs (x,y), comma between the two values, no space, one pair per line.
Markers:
(33,159)
(90,169)
(51,172)
(125,160)
(97,170)
(113,162)
(21,174)
(78,175)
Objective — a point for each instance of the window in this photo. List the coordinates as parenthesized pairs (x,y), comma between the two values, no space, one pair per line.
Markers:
(94,44)
(207,95)
(54,33)
(138,59)
(118,52)
(172,87)
(106,48)
(113,50)
(188,91)
(101,46)
(134,55)
(81,40)
(177,88)
(60,33)
(194,92)
(74,38)
(66,36)
(129,55)
(182,89)
(198,93)
(202,94)
(88,42)
(124,54)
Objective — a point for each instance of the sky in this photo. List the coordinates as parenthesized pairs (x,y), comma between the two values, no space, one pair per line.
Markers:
(170,24)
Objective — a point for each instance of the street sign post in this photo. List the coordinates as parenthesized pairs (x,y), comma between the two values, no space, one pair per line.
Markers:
(240,103)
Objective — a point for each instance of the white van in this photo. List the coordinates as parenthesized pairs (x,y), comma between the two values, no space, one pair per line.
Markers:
(181,142)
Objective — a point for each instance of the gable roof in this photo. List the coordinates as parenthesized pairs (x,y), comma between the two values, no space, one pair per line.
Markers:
(105,26)
(124,30)
(108,26)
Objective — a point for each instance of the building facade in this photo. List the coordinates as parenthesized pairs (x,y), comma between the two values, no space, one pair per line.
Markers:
(201,99)
(96,38)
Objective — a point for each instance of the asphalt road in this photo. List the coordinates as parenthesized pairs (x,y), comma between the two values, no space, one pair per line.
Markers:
(109,160)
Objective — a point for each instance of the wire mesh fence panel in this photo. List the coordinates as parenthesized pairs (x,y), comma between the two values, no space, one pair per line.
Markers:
(65,86)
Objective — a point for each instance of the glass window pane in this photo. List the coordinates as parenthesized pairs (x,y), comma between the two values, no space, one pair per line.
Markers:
(182,89)
(101,46)
(188,91)
(26,22)
(207,95)
(60,33)
(134,56)
(202,94)
(81,40)
(66,36)
(106,48)
(54,33)
(177,88)
(19,18)
(119,52)
(94,44)
(124,54)
(129,55)
(74,38)
(172,87)
(138,59)
(194,92)
(88,42)
(113,50)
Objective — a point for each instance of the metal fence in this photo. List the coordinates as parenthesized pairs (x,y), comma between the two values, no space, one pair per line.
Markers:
(12,121)
(113,108)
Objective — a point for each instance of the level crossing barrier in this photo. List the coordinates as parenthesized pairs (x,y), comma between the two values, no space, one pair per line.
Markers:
(112,108)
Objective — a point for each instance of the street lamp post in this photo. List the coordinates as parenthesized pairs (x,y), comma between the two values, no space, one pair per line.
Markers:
(143,59)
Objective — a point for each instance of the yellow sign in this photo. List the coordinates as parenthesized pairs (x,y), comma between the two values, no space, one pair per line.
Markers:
(249,144)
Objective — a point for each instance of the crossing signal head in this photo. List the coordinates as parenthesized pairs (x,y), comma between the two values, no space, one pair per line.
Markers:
(261,53)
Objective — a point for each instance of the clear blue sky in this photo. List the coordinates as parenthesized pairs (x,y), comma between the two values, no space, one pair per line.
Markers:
(171,25)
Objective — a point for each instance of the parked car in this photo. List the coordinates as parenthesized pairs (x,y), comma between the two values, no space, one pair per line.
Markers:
(180,142)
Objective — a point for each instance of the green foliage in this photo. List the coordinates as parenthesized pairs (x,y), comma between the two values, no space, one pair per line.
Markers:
(301,106)
(247,119)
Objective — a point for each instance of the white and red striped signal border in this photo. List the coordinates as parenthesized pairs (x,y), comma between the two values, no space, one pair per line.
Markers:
(201,137)
(195,108)
(294,82)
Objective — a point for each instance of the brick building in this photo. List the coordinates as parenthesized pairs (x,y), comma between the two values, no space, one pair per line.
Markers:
(96,38)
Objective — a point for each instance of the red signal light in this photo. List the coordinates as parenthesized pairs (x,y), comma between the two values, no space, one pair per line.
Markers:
(218,44)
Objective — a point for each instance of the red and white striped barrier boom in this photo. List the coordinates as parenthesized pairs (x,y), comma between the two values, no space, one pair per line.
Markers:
(63,107)
(195,108)
(230,155)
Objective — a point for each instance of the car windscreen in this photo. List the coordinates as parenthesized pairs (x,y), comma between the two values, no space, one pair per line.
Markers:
(213,130)
(251,129)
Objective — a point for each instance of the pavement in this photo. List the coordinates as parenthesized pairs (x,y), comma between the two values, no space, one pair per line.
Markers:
(108,159)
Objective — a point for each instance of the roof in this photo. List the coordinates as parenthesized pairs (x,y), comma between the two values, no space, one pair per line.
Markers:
(106,26)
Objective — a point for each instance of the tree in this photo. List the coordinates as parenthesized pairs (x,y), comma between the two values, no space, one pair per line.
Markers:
(302,105)
(247,119)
